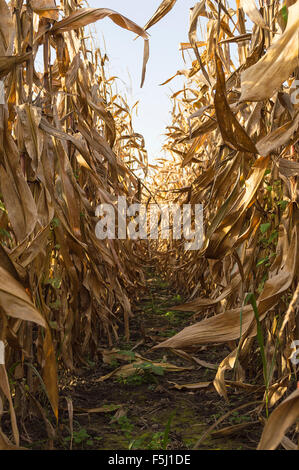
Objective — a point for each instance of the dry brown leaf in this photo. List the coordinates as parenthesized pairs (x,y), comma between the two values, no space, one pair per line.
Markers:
(232,132)
(45,9)
(279,422)
(263,79)
(288,168)
(15,302)
(118,355)
(198,10)
(288,444)
(250,8)
(30,117)
(86,16)
(227,233)
(101,409)
(162,10)
(130,369)
(232,430)
(277,138)
(197,304)
(224,327)
(195,386)
(6,28)
(7,63)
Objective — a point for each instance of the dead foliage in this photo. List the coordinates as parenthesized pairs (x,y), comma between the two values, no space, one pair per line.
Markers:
(234,145)
(67,144)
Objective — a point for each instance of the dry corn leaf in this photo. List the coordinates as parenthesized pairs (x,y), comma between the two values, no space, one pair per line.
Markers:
(288,444)
(6,28)
(15,302)
(7,63)
(30,117)
(186,45)
(45,9)
(277,138)
(232,430)
(119,355)
(162,10)
(250,8)
(131,369)
(198,10)
(100,409)
(288,168)
(279,422)
(263,79)
(232,132)
(197,304)
(86,16)
(224,327)
(227,233)
(7,263)
(17,195)
(195,386)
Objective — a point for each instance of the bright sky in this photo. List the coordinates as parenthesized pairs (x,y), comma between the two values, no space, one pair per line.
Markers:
(126,55)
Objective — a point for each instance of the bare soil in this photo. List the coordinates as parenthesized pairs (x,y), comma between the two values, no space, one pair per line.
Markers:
(153,414)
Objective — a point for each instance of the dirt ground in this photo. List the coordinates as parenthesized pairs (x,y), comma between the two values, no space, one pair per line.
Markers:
(146,411)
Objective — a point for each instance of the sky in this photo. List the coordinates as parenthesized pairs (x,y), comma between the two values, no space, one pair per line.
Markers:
(125,56)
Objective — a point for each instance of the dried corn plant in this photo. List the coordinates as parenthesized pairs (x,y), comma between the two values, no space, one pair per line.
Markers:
(67,144)
(234,143)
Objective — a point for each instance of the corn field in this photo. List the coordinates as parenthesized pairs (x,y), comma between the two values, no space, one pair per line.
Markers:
(68,144)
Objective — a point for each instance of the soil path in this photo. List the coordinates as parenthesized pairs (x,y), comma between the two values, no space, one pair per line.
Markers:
(145,410)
